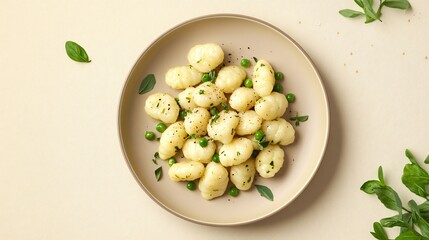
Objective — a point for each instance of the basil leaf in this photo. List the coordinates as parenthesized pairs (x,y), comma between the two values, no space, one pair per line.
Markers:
(158,174)
(350,13)
(389,198)
(147,84)
(410,156)
(370,186)
(76,52)
(396,221)
(415,179)
(379,232)
(400,4)
(380,175)
(418,219)
(265,192)
(410,234)
(424,210)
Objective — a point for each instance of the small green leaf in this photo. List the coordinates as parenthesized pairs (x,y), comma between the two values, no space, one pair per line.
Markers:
(410,234)
(370,186)
(400,4)
(379,232)
(389,198)
(395,221)
(265,192)
(350,13)
(76,52)
(418,219)
(147,84)
(415,179)
(410,156)
(158,174)
(380,175)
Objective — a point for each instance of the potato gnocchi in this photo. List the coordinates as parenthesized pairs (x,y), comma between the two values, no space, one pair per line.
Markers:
(221,122)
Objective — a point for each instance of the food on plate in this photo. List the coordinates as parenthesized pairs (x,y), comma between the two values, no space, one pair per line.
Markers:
(229,126)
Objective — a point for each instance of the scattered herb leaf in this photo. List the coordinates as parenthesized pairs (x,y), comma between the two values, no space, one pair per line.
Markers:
(299,119)
(147,84)
(255,59)
(158,174)
(265,192)
(368,9)
(76,52)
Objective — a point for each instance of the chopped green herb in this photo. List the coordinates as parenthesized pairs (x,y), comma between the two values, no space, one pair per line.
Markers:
(299,119)
(147,84)
(158,173)
(225,106)
(255,59)
(201,91)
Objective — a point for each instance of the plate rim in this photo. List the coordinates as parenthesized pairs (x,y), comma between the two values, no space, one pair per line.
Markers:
(232,16)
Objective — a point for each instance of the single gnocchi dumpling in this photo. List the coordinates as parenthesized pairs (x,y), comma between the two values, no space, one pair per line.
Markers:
(196,121)
(182,77)
(172,140)
(186,171)
(263,78)
(222,127)
(278,131)
(272,106)
(194,152)
(243,99)
(214,181)
(269,161)
(237,151)
(230,78)
(162,106)
(185,99)
(205,57)
(249,123)
(242,175)
(207,95)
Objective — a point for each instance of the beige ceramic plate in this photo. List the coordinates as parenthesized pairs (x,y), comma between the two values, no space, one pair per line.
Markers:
(239,37)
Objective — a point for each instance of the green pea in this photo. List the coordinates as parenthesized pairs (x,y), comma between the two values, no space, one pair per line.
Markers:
(182,114)
(160,127)
(233,191)
(290,97)
(278,88)
(215,158)
(248,83)
(149,135)
(191,186)
(213,111)
(203,142)
(259,135)
(278,76)
(245,62)
(206,77)
(171,161)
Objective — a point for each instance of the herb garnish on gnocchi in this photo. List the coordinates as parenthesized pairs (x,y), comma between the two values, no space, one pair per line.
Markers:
(228,125)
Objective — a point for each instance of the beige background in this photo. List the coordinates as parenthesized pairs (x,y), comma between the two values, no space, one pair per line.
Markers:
(62,172)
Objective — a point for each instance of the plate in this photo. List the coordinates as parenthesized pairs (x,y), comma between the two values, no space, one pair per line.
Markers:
(240,37)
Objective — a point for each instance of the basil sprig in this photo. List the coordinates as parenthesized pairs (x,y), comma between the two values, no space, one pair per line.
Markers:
(76,52)
(368,9)
(147,84)
(413,219)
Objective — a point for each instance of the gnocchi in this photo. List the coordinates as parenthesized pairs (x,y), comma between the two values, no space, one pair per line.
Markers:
(172,140)
(278,131)
(243,174)
(207,95)
(214,181)
(222,129)
(162,106)
(243,99)
(186,171)
(249,123)
(231,131)
(194,152)
(230,78)
(269,161)
(237,151)
(263,78)
(182,77)
(272,106)
(196,121)
(205,57)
